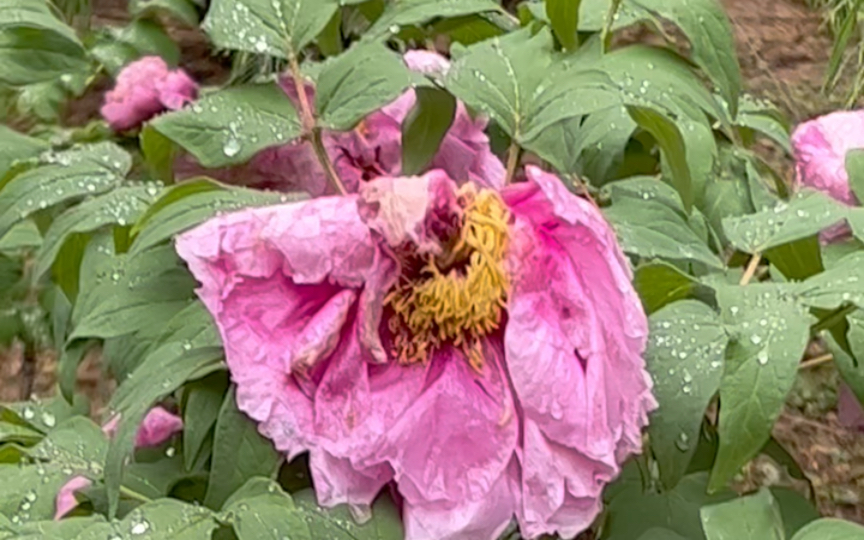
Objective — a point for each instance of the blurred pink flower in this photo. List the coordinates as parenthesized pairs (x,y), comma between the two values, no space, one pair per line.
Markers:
(144,89)
(66,501)
(820,148)
(849,411)
(157,427)
(481,349)
(372,149)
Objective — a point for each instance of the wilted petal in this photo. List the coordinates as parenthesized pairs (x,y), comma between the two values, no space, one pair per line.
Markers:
(158,426)
(561,488)
(483,519)
(275,278)
(427,62)
(66,501)
(457,438)
(176,90)
(575,333)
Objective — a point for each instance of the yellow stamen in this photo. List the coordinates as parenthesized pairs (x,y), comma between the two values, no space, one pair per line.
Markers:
(456,306)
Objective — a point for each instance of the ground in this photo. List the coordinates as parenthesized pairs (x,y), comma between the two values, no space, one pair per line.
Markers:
(783,51)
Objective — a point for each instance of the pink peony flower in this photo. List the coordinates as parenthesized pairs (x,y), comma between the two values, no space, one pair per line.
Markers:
(157,427)
(371,150)
(480,349)
(144,89)
(820,148)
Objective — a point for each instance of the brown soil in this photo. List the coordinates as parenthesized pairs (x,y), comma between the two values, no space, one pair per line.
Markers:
(783,51)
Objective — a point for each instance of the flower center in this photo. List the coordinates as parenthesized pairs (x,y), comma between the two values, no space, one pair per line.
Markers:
(457,296)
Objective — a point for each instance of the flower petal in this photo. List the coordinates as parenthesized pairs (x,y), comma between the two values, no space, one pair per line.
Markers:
(66,501)
(574,341)
(820,148)
(276,278)
(457,438)
(158,426)
(483,519)
(573,306)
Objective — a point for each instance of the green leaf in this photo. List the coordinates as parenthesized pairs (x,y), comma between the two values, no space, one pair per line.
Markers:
(564,16)
(16,146)
(855,171)
(357,82)
(661,534)
(239,453)
(797,260)
(795,509)
(121,207)
(230,126)
(764,117)
(68,527)
(517,82)
(35,46)
(843,283)
(712,41)
(163,519)
(851,367)
(650,222)
(159,153)
(416,12)
(632,510)
(185,205)
(277,28)
(136,288)
(660,284)
(163,371)
(672,147)
(754,517)
(841,43)
(75,447)
(338,523)
(425,127)
(148,37)
(685,359)
(182,10)
(203,401)
(769,331)
(805,214)
(64,176)
(830,529)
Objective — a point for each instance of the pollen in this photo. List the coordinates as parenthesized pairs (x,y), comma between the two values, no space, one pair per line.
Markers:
(458,296)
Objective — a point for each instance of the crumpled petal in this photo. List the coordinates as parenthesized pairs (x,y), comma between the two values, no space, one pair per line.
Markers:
(144,89)
(466,520)
(573,306)
(434,461)
(66,501)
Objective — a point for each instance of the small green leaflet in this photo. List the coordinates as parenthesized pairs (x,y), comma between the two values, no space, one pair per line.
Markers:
(230,126)
(357,82)
(415,12)
(239,453)
(275,27)
(831,529)
(755,516)
(425,127)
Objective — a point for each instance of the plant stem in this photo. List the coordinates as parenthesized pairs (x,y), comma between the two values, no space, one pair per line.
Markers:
(512,161)
(818,361)
(134,495)
(310,131)
(751,269)
(324,159)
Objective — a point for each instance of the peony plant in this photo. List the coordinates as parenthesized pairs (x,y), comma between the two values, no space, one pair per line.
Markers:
(416,270)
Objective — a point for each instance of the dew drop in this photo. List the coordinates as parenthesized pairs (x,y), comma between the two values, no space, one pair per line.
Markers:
(232,147)
(683,442)
(139,527)
(49,419)
(762,357)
